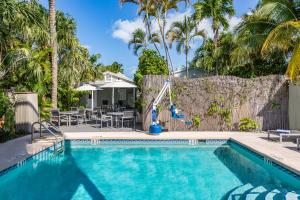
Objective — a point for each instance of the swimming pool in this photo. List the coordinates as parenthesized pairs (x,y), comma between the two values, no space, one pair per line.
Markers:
(149,170)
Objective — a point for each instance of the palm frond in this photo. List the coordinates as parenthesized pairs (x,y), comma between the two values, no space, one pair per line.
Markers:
(293,70)
(282,36)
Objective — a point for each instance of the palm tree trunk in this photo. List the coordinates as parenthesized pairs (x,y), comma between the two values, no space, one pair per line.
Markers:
(186,65)
(186,47)
(162,33)
(216,39)
(150,35)
(53,44)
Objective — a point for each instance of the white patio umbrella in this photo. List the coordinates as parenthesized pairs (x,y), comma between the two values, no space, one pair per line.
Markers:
(88,87)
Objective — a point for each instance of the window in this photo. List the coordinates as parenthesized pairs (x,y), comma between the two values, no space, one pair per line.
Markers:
(108,78)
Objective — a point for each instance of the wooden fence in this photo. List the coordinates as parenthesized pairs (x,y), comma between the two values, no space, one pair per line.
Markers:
(263,99)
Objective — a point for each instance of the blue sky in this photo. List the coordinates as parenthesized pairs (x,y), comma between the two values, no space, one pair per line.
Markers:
(103,26)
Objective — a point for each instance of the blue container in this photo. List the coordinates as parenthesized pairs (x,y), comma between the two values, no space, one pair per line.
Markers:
(155,129)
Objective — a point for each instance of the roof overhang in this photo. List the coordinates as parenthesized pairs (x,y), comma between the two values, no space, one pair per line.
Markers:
(118,84)
(86,87)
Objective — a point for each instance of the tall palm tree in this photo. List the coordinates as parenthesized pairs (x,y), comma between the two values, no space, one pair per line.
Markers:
(183,33)
(217,11)
(145,10)
(285,35)
(141,40)
(158,10)
(272,28)
(53,44)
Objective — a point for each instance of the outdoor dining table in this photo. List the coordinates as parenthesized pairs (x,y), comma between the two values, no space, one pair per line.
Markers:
(69,114)
(115,115)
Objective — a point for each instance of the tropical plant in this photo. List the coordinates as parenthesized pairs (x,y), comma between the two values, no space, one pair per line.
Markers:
(7,122)
(183,33)
(217,11)
(206,56)
(25,52)
(285,36)
(140,40)
(114,67)
(269,36)
(150,63)
(196,121)
(157,10)
(145,10)
(248,124)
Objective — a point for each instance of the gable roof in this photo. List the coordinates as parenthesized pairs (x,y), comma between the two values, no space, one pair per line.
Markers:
(118,75)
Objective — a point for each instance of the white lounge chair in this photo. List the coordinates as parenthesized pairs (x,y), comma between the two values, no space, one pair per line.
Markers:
(283,133)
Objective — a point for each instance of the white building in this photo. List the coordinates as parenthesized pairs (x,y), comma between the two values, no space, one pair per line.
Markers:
(114,89)
(193,73)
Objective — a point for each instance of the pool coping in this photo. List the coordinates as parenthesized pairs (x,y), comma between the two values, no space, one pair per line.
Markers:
(268,159)
(23,161)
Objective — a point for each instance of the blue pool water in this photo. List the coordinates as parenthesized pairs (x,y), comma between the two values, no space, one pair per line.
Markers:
(148,172)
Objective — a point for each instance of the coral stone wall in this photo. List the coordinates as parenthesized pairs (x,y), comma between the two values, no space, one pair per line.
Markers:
(219,102)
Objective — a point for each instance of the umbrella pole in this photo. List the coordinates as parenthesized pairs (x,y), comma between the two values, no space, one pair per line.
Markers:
(92,99)
(113,98)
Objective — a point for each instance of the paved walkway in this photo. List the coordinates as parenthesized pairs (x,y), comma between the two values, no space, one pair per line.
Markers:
(19,149)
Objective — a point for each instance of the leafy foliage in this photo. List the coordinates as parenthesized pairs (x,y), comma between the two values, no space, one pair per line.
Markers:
(150,63)
(140,40)
(217,11)
(272,29)
(196,121)
(25,52)
(183,33)
(7,124)
(248,124)
(217,108)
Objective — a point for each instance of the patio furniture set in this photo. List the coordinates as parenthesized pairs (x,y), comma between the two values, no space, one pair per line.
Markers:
(102,117)
(287,134)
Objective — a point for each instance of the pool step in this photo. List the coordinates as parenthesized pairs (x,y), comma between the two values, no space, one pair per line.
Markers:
(57,143)
(267,192)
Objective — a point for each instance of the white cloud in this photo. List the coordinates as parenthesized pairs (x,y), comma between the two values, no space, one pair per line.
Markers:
(123,29)
(233,22)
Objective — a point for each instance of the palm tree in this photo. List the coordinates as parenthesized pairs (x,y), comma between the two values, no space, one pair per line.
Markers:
(141,40)
(217,11)
(145,10)
(206,58)
(53,44)
(285,35)
(158,10)
(272,29)
(183,33)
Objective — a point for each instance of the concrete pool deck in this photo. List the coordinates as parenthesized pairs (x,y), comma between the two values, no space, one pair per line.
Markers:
(284,153)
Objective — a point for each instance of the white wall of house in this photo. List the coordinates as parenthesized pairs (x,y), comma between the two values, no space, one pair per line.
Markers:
(122,96)
(126,95)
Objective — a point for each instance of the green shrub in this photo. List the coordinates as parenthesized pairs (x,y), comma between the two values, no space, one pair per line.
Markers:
(248,124)
(213,109)
(7,127)
(196,121)
(225,114)
(217,108)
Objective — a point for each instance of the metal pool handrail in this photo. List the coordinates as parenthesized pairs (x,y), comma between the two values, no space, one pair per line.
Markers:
(42,125)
